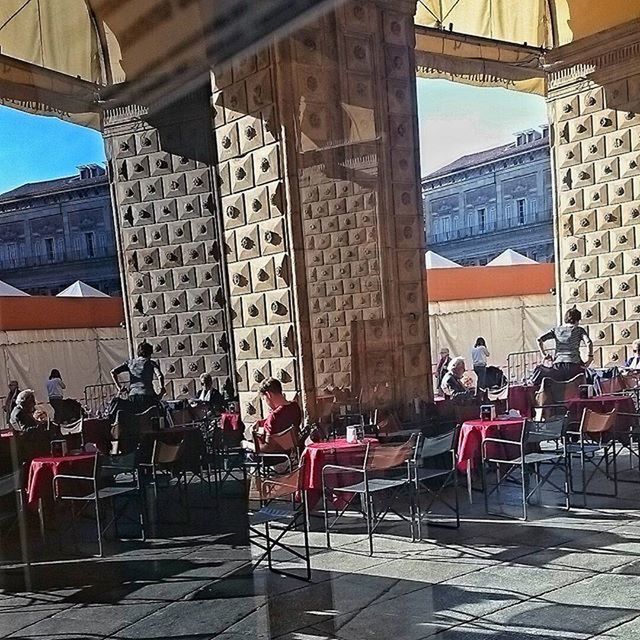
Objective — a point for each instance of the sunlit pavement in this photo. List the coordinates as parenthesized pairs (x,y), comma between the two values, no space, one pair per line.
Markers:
(562,575)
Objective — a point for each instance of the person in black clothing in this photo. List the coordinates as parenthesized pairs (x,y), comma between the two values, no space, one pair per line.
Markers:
(142,372)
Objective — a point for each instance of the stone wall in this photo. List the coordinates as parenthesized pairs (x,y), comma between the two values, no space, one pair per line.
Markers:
(594,103)
(166,217)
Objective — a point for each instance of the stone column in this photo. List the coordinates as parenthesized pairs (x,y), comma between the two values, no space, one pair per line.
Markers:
(594,94)
(166,220)
(318,172)
(309,239)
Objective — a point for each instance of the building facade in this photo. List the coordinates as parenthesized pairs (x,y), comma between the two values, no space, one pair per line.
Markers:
(486,202)
(56,232)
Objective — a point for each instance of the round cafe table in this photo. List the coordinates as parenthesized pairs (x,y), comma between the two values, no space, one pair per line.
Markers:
(339,452)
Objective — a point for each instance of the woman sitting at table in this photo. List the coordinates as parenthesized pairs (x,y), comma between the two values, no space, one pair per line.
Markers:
(633,363)
(568,337)
(208,395)
(452,385)
(282,415)
(29,426)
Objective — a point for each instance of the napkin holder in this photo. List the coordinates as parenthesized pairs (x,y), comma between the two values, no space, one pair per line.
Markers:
(487,412)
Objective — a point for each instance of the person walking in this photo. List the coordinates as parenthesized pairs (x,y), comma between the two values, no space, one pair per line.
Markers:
(479,355)
(441,367)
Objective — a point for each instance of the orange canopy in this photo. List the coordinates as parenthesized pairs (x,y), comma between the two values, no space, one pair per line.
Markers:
(47,312)
(466,283)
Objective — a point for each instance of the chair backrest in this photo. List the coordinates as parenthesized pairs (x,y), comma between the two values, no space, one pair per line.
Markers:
(147,421)
(498,394)
(10,483)
(111,465)
(594,423)
(536,431)
(180,417)
(382,457)
(201,412)
(436,445)
(164,453)
(72,429)
(631,380)
(557,392)
(610,385)
(279,486)
(285,441)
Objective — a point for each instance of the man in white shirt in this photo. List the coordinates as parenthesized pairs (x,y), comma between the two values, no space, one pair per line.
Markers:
(633,362)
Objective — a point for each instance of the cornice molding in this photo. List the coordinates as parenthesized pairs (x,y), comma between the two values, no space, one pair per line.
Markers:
(615,51)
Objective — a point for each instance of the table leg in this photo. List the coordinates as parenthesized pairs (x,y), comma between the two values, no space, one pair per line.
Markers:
(469,483)
(41,518)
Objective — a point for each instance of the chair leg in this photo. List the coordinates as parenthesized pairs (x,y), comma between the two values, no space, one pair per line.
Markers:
(99,527)
(457,499)
(326,514)
(525,478)
(369,517)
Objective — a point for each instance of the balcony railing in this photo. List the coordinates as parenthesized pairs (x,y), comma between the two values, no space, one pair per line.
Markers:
(504,224)
(69,255)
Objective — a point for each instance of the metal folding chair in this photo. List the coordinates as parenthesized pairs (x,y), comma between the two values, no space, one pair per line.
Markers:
(167,463)
(435,463)
(13,514)
(68,431)
(283,509)
(542,444)
(596,435)
(386,470)
(105,484)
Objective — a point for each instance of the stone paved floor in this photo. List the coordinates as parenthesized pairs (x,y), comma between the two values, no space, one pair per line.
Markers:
(562,575)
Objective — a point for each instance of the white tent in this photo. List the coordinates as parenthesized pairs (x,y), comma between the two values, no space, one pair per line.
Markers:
(81,290)
(8,290)
(508,258)
(434,260)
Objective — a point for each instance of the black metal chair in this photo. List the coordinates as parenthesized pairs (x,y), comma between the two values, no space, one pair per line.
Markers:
(12,513)
(386,470)
(542,444)
(435,464)
(105,484)
(283,509)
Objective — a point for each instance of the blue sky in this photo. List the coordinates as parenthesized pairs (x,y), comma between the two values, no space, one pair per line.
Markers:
(455,120)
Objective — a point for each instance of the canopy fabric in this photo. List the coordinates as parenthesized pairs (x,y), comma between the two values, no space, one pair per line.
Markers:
(509,325)
(478,62)
(434,260)
(538,23)
(140,51)
(154,51)
(84,357)
(80,289)
(9,290)
(510,257)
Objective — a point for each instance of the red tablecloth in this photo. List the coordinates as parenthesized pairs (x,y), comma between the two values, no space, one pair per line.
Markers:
(473,432)
(231,422)
(42,470)
(340,452)
(522,398)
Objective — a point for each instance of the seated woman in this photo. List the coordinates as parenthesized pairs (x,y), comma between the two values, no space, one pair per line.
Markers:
(30,427)
(282,415)
(208,395)
(452,385)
